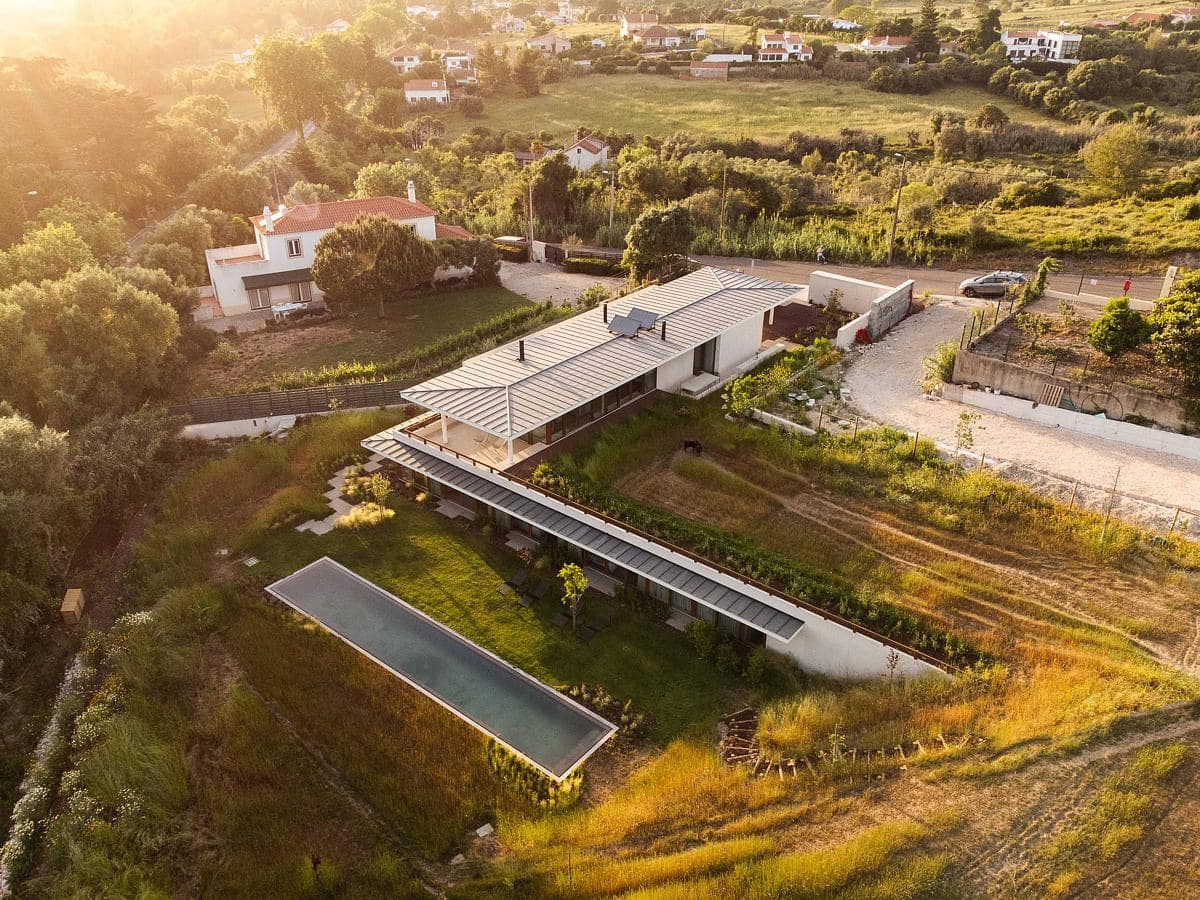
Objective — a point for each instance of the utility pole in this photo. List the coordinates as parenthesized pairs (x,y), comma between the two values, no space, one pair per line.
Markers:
(612,198)
(724,178)
(896,212)
(530,218)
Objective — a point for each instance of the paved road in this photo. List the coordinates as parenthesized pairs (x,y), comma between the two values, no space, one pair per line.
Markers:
(884,381)
(937,281)
(284,144)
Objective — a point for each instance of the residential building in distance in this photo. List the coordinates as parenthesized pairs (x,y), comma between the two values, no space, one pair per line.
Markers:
(711,69)
(426,90)
(783,47)
(405,59)
(634,23)
(886,44)
(458,58)
(587,153)
(549,44)
(275,270)
(656,37)
(1052,46)
(337,26)
(730,57)
(509,24)
(1184,15)
(463,76)
(1144,18)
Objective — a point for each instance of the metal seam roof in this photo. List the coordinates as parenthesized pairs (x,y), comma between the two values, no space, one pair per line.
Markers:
(674,576)
(571,362)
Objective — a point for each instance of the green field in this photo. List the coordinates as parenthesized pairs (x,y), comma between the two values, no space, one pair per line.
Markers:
(1041,13)
(358,336)
(657,105)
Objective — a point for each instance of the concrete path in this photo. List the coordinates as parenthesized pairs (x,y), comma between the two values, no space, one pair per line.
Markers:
(884,380)
(339,506)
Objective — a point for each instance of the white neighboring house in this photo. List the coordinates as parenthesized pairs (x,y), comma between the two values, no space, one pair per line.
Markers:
(844,25)
(426,90)
(337,26)
(587,153)
(509,25)
(458,59)
(276,269)
(405,59)
(1184,15)
(888,44)
(418,10)
(599,43)
(1053,46)
(658,37)
(783,47)
(549,44)
(729,58)
(634,23)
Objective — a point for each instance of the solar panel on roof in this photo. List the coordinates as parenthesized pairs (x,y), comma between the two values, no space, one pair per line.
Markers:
(644,317)
(624,326)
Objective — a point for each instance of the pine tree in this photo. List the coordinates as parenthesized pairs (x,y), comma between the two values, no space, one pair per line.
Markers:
(925,37)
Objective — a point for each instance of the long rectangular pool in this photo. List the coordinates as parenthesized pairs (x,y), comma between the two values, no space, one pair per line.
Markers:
(546,728)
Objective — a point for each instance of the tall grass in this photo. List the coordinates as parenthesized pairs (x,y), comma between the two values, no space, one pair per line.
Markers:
(621,874)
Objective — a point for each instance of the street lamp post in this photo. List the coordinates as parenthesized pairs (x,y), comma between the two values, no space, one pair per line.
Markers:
(896,212)
(612,198)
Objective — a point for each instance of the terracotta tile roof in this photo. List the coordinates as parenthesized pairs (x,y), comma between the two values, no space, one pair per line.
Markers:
(452,231)
(1143,17)
(641,17)
(590,144)
(889,41)
(316,216)
(423,84)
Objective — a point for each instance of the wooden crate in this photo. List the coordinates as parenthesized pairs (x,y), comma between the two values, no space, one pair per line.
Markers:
(72,606)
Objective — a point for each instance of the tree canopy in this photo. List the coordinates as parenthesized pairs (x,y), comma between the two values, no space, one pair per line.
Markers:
(295,81)
(659,234)
(370,259)
(1117,159)
(1176,327)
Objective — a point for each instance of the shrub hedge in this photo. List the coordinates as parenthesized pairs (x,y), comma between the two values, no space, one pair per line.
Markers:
(592,265)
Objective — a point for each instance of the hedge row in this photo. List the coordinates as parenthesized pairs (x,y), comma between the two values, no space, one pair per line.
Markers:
(512,254)
(593,265)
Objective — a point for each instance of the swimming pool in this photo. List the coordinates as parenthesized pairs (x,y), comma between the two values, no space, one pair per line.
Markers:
(546,728)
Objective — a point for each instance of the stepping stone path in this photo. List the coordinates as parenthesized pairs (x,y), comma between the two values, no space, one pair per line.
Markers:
(339,506)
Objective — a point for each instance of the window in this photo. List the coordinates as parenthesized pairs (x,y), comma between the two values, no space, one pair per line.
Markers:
(293,247)
(260,298)
(301,291)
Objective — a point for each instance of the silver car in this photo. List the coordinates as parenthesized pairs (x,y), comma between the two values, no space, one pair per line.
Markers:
(993,284)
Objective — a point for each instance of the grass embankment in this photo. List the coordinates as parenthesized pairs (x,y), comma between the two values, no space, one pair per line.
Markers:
(1045,590)
(766,110)
(355,347)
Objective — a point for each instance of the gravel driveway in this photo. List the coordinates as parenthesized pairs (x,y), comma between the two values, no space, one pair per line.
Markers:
(884,380)
(542,281)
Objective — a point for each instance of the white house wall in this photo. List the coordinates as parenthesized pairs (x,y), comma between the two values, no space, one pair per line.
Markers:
(857,295)
(738,344)
(674,372)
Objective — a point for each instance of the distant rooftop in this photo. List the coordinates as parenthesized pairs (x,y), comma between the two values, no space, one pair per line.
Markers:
(316,216)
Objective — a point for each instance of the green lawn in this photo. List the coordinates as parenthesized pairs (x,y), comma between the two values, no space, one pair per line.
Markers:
(359,336)
(658,105)
(456,576)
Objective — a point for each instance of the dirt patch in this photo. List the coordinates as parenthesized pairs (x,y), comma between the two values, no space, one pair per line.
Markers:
(542,281)
(803,323)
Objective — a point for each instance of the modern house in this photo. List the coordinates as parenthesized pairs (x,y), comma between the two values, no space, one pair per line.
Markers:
(275,271)
(424,90)
(887,44)
(514,401)
(549,44)
(710,69)
(1051,46)
(587,153)
(783,47)
(656,37)
(633,23)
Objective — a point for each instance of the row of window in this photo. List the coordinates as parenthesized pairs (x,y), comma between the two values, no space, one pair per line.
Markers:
(589,412)
(298,292)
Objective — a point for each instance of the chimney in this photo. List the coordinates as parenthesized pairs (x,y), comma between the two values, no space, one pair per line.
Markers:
(664,329)
(605,312)
(268,221)
(412,191)
(521,351)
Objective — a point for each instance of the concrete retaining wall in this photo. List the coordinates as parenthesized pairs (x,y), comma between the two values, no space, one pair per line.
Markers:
(1121,402)
(878,307)
(1096,426)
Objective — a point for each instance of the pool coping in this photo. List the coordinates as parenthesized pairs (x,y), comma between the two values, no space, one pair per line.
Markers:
(611,729)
